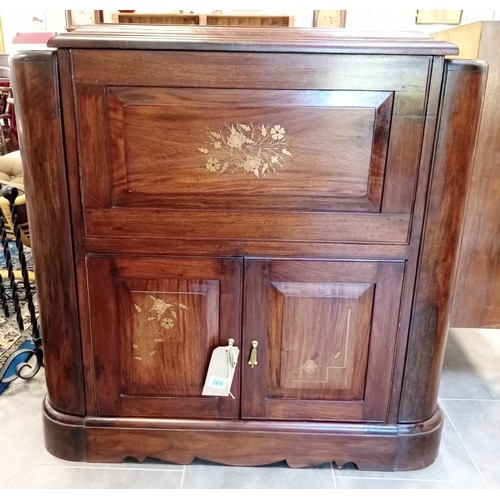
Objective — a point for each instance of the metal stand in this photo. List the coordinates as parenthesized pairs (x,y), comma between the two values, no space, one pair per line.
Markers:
(34,352)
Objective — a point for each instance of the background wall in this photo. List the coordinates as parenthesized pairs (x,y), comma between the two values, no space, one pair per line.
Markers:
(405,20)
(17,21)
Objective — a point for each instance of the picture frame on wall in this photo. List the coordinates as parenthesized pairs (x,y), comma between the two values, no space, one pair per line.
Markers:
(75,18)
(438,16)
(329,19)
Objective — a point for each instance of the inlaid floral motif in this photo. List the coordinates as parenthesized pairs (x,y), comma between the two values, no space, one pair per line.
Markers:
(257,149)
(165,314)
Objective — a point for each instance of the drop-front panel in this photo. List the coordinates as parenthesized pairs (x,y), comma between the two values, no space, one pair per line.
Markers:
(239,143)
(283,189)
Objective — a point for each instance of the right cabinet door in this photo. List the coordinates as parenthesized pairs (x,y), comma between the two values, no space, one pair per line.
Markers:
(326,334)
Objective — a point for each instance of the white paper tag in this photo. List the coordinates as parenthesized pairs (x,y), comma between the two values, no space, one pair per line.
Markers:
(221,371)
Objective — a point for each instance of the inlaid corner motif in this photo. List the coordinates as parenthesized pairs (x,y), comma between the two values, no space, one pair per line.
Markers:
(163,316)
(310,371)
(309,366)
(259,149)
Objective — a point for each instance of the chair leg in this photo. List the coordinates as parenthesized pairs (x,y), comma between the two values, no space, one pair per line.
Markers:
(3,300)
(11,193)
(11,276)
(36,352)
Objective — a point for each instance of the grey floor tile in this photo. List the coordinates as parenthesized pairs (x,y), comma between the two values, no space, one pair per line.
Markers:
(477,422)
(208,475)
(97,478)
(470,369)
(452,464)
(21,406)
(21,434)
(407,484)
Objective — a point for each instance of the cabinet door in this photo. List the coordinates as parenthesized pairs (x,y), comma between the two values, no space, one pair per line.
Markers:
(154,325)
(326,335)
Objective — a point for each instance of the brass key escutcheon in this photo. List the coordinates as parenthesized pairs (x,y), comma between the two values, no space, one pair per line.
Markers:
(253,354)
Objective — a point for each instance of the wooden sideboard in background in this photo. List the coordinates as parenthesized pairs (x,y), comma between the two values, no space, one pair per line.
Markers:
(204,19)
(476,302)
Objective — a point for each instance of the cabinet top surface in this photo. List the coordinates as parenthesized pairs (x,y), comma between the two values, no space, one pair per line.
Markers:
(210,38)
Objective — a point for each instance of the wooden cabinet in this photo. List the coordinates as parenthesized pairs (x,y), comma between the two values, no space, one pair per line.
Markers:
(298,191)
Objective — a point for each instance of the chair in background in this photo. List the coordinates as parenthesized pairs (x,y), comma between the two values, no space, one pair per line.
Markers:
(11,178)
(8,139)
(11,174)
(4,73)
(17,286)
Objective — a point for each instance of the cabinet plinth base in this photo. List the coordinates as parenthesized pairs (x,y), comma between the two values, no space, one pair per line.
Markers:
(380,447)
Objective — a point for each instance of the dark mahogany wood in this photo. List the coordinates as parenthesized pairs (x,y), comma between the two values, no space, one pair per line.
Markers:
(36,84)
(250,225)
(162,317)
(181,129)
(375,135)
(326,334)
(252,40)
(244,443)
(453,155)
(188,228)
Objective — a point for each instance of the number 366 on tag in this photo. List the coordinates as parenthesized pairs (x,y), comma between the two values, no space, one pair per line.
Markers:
(217,382)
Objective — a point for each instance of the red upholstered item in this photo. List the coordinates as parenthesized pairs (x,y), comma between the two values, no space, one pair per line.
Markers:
(33,37)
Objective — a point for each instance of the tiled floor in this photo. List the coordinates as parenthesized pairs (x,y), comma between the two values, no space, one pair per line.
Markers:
(469,455)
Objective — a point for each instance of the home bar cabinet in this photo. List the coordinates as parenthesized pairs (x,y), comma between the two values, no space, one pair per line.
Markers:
(300,192)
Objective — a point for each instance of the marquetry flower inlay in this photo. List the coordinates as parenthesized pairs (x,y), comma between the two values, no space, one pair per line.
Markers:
(259,149)
(162,312)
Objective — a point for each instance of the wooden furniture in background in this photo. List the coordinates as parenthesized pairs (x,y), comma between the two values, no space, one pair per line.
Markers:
(476,302)
(205,19)
(248,20)
(157,18)
(8,131)
(298,191)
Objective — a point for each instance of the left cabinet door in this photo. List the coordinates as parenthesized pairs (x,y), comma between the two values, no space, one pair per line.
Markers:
(154,322)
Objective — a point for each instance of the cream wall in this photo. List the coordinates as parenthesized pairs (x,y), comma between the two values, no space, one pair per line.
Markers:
(17,20)
(404,20)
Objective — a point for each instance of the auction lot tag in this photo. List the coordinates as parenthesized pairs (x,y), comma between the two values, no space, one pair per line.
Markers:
(218,382)
(221,371)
